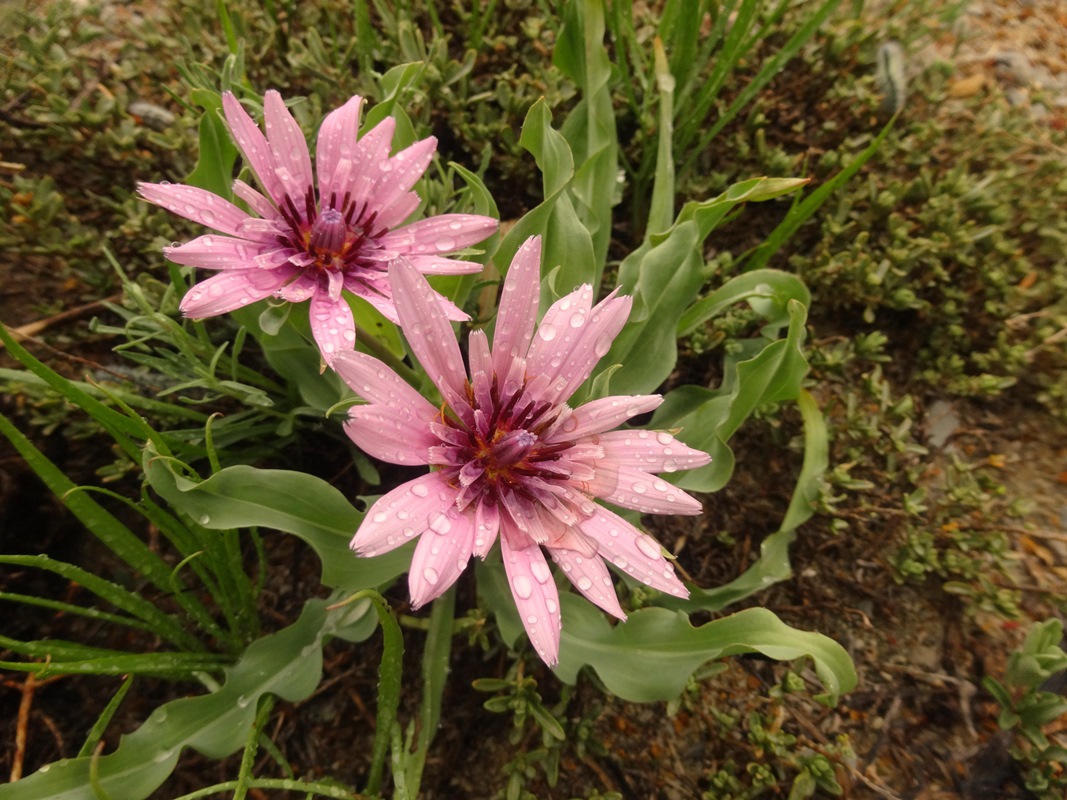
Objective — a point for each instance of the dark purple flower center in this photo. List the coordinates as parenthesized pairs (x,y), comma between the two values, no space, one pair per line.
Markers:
(335,238)
(502,451)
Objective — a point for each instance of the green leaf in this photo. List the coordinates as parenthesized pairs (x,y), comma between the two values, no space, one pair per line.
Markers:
(214,166)
(773,564)
(287,664)
(293,502)
(652,655)
(663,276)
(763,373)
(590,127)
(567,243)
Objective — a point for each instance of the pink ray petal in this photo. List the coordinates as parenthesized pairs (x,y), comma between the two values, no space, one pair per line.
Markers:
(398,211)
(590,577)
(444,233)
(436,265)
(332,324)
(196,204)
(401,172)
(648,494)
(604,414)
(337,140)
(253,146)
(486,528)
(403,514)
(255,200)
(429,332)
(517,312)
(650,451)
(301,289)
(572,338)
(289,148)
(390,434)
(377,383)
(215,252)
(479,356)
(635,553)
(535,594)
(232,289)
(440,556)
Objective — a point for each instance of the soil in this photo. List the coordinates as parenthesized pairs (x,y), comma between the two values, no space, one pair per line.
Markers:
(919,725)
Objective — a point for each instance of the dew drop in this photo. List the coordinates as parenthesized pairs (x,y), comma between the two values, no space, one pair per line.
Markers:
(445,244)
(584,583)
(640,488)
(243,701)
(522,587)
(531,619)
(431,576)
(204,519)
(621,563)
(540,571)
(602,345)
(547,332)
(440,523)
(420,490)
(647,546)
(664,438)
(162,756)
(380,517)
(551,606)
(577,320)
(661,486)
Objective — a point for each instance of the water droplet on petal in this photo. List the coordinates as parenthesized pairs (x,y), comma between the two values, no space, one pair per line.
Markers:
(664,438)
(551,606)
(440,523)
(431,576)
(204,519)
(531,619)
(577,320)
(540,571)
(640,488)
(420,490)
(648,546)
(584,583)
(621,563)
(380,517)
(522,587)
(547,332)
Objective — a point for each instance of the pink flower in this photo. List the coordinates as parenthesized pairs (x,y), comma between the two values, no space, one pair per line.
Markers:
(510,456)
(300,244)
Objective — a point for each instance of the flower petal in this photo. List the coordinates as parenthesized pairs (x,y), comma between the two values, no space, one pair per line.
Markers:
(253,146)
(444,233)
(633,488)
(605,414)
(289,149)
(440,556)
(635,553)
(535,593)
(215,252)
(650,451)
(572,338)
(337,140)
(402,514)
(196,204)
(486,527)
(517,312)
(256,201)
(377,383)
(399,173)
(233,289)
(590,576)
(332,324)
(390,434)
(429,333)
(436,265)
